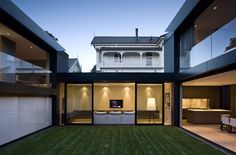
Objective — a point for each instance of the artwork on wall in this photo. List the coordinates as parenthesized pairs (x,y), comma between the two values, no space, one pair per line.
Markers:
(167,100)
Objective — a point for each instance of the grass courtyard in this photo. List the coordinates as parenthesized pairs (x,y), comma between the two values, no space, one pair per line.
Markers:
(109,140)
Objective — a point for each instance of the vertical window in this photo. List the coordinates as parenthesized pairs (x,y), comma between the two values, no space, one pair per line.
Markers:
(79,104)
(116,57)
(149,104)
(149,59)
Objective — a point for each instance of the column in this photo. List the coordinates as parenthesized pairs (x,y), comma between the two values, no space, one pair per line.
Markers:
(177,107)
(102,53)
(121,58)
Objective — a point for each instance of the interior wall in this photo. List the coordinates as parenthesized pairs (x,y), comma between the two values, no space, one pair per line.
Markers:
(149,91)
(79,97)
(233,99)
(210,92)
(103,94)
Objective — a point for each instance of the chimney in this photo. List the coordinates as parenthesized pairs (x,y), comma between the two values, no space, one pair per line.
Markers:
(136,34)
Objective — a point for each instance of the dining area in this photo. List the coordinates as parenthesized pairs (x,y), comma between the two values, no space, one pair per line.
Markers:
(228,122)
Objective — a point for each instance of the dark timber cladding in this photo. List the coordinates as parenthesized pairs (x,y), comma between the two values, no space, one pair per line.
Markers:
(9,89)
(115,77)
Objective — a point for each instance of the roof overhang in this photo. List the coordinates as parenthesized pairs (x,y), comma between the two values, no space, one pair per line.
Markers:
(182,14)
(7,7)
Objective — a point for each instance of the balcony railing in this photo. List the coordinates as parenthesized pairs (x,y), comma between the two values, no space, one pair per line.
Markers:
(133,65)
(220,42)
(15,70)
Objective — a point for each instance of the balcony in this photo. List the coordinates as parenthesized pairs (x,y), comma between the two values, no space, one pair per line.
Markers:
(15,70)
(218,43)
(129,65)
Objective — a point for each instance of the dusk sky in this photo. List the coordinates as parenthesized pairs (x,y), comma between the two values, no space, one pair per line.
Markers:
(75,22)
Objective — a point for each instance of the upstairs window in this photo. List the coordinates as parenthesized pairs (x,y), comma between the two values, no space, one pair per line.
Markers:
(116,57)
(149,59)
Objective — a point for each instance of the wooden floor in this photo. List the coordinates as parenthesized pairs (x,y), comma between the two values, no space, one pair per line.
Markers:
(214,134)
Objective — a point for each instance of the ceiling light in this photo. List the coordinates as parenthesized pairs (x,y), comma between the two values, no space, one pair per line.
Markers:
(215,8)
(8,33)
(195,25)
(31,46)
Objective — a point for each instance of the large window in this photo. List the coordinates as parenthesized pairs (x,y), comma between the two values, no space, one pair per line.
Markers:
(149,59)
(149,103)
(114,103)
(79,103)
(212,34)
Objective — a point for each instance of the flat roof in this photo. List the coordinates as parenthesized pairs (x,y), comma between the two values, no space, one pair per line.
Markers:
(182,14)
(11,9)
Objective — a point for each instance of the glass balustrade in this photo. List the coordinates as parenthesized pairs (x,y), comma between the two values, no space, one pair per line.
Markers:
(218,43)
(15,70)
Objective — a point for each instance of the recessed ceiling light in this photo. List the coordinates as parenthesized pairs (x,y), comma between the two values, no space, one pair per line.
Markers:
(8,33)
(195,25)
(215,8)
(31,46)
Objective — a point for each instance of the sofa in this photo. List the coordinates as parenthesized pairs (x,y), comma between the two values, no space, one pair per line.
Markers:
(114,117)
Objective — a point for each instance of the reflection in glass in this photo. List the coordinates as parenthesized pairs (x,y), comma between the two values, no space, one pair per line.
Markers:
(209,36)
(149,103)
(79,103)
(15,70)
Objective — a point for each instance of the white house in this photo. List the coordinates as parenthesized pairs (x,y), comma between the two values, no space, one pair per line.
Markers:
(74,65)
(129,54)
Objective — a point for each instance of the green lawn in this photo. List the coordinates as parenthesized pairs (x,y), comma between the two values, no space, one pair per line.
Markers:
(109,140)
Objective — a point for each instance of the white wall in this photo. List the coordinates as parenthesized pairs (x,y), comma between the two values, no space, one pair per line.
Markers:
(108,59)
(20,116)
(131,62)
(131,59)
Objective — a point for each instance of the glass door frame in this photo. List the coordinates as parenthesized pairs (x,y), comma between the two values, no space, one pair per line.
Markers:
(92,103)
(163,102)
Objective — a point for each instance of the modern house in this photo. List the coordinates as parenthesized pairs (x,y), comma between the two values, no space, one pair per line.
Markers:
(74,65)
(129,54)
(201,50)
(191,90)
(29,59)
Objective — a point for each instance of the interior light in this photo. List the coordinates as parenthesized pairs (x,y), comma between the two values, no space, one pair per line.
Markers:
(195,25)
(105,88)
(8,33)
(215,8)
(31,46)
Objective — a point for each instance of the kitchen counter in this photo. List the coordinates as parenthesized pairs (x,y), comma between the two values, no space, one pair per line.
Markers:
(205,116)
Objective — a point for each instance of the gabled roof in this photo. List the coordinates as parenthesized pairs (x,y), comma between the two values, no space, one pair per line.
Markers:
(124,40)
(71,61)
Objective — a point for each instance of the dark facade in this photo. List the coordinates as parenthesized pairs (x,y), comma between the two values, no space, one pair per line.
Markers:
(185,34)
(29,59)
(200,43)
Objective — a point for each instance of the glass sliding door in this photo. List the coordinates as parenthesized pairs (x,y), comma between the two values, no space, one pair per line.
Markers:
(149,103)
(79,104)
(114,103)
